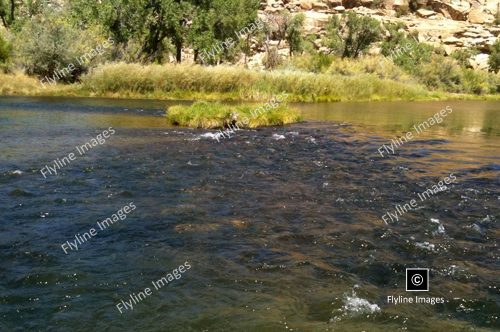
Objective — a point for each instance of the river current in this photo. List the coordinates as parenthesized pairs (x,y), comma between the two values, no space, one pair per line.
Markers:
(282,228)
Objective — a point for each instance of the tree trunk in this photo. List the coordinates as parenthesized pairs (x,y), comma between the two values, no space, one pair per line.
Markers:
(4,23)
(12,8)
(178,50)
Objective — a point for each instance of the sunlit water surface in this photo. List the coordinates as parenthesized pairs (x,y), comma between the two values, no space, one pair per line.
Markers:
(282,226)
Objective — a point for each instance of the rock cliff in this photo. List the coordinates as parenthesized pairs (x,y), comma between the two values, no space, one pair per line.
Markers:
(450,24)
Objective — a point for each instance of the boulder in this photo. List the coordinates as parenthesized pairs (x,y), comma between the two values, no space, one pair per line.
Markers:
(315,22)
(444,12)
(306,5)
(457,12)
(367,3)
(480,61)
(453,41)
(425,13)
(333,3)
(399,3)
(339,9)
(320,6)
(477,15)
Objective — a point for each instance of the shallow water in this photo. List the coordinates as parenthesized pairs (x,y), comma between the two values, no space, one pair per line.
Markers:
(281,232)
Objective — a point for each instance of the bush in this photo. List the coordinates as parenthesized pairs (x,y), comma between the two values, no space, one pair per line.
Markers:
(313,63)
(463,56)
(294,33)
(5,53)
(441,73)
(48,43)
(494,60)
(351,34)
(272,59)
(446,74)
(405,50)
(402,10)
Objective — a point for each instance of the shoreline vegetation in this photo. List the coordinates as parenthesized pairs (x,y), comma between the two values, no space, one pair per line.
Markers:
(359,80)
(229,51)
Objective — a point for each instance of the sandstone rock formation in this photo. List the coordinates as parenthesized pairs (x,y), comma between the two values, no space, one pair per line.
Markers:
(451,24)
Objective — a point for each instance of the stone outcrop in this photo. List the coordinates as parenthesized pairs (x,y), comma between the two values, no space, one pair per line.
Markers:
(451,24)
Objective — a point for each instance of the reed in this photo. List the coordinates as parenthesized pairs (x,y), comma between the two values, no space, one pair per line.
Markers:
(173,81)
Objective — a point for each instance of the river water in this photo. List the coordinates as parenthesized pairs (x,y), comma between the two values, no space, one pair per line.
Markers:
(281,227)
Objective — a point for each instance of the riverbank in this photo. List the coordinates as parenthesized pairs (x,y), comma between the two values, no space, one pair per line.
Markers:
(225,83)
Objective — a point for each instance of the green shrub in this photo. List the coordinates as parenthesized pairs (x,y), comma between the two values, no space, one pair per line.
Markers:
(294,33)
(405,50)
(5,53)
(402,10)
(47,44)
(313,63)
(476,82)
(440,73)
(463,56)
(494,60)
(351,34)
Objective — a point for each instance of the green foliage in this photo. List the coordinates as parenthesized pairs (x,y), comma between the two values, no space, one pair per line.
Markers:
(48,43)
(402,10)
(294,32)
(199,82)
(494,60)
(404,50)
(5,51)
(446,74)
(463,56)
(314,62)
(156,24)
(351,34)
(216,115)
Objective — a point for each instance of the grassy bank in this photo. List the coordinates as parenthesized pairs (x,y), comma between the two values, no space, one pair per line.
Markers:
(215,115)
(195,82)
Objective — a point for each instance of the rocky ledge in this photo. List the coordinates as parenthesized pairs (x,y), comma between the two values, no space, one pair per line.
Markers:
(451,24)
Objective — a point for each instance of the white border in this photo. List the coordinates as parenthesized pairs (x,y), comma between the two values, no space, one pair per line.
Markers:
(406,279)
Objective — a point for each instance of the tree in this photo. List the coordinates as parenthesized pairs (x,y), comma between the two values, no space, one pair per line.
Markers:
(351,34)
(48,43)
(156,23)
(294,27)
(5,50)
(494,60)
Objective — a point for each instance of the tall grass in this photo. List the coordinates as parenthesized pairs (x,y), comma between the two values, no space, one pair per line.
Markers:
(172,81)
(215,115)
(17,83)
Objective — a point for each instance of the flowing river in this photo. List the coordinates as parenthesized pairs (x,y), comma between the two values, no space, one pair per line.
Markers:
(282,228)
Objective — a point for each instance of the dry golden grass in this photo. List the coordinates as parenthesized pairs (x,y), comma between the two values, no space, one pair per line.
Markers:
(347,80)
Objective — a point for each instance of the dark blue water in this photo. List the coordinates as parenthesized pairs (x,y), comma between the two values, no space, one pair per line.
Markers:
(281,232)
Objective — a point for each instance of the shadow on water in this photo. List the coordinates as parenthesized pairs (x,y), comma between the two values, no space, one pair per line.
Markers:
(282,226)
